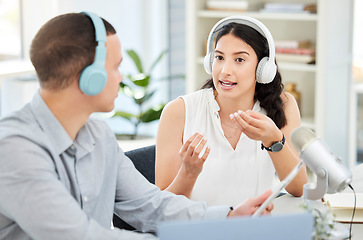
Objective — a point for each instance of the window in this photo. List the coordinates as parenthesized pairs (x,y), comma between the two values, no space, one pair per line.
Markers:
(10,28)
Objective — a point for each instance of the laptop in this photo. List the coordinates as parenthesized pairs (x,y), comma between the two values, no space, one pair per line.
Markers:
(297,226)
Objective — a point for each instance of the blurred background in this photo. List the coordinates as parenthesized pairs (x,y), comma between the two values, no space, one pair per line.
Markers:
(150,27)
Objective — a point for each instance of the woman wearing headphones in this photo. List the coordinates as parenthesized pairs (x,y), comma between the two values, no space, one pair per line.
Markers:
(224,143)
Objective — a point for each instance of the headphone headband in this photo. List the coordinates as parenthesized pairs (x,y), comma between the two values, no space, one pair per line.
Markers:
(94,77)
(251,22)
(100,30)
(268,63)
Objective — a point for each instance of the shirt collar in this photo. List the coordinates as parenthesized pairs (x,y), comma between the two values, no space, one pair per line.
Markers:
(215,107)
(85,141)
(57,135)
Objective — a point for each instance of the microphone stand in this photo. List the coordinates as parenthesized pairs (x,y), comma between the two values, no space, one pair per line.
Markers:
(313,192)
(316,191)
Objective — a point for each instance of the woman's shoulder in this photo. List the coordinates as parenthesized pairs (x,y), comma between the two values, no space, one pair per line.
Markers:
(202,93)
(175,108)
(178,104)
(190,102)
(288,100)
(291,108)
(198,98)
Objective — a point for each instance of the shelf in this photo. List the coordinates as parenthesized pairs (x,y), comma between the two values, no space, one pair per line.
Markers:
(284,66)
(358,87)
(297,66)
(259,15)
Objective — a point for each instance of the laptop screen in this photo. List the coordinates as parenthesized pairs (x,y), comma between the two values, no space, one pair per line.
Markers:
(297,226)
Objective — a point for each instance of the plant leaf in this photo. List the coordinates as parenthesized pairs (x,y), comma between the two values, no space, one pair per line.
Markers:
(139,96)
(142,82)
(148,96)
(128,91)
(128,116)
(152,114)
(122,85)
(158,59)
(128,78)
(135,57)
(144,98)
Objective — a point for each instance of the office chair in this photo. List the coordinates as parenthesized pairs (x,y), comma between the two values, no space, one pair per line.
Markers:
(144,161)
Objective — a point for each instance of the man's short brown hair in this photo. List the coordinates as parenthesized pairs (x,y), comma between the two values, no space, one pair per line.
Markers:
(63,47)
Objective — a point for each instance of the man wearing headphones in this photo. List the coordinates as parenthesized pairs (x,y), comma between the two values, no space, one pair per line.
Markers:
(62,173)
(243,113)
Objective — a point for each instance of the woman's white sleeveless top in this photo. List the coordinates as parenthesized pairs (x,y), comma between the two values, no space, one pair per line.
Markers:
(229,176)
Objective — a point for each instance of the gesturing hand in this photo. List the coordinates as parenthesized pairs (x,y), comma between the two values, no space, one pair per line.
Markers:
(189,153)
(257,126)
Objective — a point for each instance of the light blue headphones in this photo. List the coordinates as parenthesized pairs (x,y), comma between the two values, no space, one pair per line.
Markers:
(94,77)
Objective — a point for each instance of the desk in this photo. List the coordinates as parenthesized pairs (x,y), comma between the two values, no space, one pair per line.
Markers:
(128,144)
(289,204)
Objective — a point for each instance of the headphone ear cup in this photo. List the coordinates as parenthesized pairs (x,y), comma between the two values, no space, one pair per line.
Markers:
(93,80)
(265,71)
(259,69)
(208,61)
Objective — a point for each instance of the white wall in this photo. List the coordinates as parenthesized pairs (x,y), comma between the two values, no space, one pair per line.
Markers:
(35,14)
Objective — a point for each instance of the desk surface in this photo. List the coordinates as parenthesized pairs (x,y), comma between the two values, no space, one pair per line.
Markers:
(128,144)
(289,204)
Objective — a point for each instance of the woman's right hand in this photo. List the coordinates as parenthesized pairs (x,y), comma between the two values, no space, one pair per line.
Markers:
(192,164)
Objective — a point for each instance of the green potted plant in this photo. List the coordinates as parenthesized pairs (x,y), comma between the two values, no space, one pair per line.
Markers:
(137,87)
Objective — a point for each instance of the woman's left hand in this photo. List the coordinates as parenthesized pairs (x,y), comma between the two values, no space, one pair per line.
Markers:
(257,126)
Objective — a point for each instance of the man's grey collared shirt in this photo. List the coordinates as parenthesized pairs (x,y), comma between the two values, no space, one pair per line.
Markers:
(54,188)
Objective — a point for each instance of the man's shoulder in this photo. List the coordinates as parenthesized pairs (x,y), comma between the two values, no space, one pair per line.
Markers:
(20,132)
(18,123)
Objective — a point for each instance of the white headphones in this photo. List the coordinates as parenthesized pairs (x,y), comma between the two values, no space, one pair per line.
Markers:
(266,68)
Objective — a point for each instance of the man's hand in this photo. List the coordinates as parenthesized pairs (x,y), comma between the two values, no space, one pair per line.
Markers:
(251,205)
